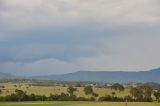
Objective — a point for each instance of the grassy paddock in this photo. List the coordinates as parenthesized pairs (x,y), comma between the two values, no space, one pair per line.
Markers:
(77,104)
(47,90)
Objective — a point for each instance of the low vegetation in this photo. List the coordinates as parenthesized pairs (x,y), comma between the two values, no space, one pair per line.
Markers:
(85,91)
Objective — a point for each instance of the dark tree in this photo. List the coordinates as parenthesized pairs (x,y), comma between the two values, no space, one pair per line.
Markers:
(113,94)
(95,94)
(136,94)
(118,87)
(1,92)
(71,90)
(88,90)
(142,93)
(147,92)
(20,95)
(78,85)
(157,95)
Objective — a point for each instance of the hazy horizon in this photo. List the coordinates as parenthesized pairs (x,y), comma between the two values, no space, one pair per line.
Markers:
(42,37)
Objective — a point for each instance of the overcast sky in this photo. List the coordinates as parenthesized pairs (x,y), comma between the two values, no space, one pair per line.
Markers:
(40,37)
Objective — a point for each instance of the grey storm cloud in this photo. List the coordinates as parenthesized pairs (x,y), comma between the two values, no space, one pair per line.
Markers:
(61,36)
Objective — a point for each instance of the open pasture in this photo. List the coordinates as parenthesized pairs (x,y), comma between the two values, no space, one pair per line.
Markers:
(47,90)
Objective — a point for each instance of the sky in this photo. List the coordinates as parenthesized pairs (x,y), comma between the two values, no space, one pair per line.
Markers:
(42,37)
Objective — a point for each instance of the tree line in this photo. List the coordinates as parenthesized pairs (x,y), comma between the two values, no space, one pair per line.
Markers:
(142,93)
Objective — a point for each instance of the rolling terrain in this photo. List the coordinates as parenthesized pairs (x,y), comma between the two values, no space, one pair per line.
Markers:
(99,76)
(107,76)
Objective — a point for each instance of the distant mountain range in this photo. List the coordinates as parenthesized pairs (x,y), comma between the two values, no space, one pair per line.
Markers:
(101,76)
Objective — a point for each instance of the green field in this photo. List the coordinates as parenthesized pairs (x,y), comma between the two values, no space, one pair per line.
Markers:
(76,104)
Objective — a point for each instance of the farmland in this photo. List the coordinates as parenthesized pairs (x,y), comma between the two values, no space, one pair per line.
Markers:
(31,91)
(47,90)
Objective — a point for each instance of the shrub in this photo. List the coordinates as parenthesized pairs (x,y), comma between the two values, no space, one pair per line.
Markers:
(110,98)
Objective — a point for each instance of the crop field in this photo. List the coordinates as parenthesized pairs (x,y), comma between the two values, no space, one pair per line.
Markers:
(77,104)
